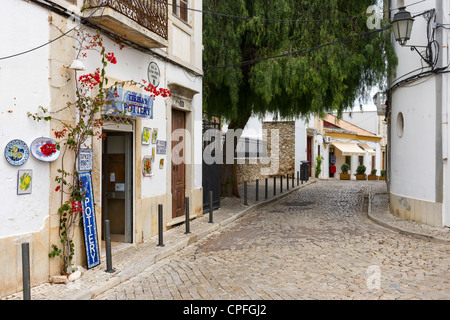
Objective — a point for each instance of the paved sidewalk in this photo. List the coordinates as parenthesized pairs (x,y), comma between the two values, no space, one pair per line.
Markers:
(130,260)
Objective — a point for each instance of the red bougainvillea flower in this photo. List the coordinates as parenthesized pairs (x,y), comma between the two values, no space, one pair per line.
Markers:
(110,57)
(48,149)
(76,206)
(157,92)
(90,79)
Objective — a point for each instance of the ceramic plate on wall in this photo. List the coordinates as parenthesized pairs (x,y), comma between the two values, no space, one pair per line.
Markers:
(16,152)
(44,149)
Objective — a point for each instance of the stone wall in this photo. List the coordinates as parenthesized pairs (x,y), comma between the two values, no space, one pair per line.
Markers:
(281,158)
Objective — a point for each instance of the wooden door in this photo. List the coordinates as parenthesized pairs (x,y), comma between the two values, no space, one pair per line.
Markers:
(178,165)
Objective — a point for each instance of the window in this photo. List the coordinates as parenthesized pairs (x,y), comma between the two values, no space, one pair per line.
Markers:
(180,9)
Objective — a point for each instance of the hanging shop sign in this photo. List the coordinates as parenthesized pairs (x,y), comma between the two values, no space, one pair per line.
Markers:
(85,160)
(89,221)
(16,152)
(44,149)
(153,73)
(129,103)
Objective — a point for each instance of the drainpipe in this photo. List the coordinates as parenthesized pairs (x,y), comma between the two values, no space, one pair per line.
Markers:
(443,39)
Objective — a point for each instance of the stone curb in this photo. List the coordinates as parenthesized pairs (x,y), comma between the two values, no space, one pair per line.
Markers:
(169,249)
(400,230)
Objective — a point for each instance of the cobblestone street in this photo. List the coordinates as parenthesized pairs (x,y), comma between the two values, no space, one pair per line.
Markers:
(315,243)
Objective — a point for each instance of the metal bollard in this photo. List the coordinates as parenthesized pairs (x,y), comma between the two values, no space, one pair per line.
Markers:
(266,190)
(160,225)
(274,185)
(211,207)
(26,271)
(257,189)
(245,193)
(298,178)
(281,184)
(109,267)
(287,181)
(186,202)
(293,179)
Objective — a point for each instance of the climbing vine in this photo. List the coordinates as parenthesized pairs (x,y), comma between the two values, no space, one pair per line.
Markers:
(92,95)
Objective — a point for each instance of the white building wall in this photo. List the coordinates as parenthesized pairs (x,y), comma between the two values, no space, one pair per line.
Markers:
(24,86)
(413,162)
(418,169)
(300,143)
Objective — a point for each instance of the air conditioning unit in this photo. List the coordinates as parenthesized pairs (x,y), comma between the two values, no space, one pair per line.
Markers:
(327,139)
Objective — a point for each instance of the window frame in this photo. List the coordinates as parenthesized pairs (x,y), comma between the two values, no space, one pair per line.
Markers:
(180,10)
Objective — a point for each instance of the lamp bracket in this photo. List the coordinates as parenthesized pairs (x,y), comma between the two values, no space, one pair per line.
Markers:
(427,58)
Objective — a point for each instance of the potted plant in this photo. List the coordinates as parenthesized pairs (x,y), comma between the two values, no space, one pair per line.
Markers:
(345,175)
(373,175)
(383,175)
(361,172)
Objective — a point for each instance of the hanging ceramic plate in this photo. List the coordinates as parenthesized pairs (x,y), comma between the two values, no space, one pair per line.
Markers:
(44,149)
(16,152)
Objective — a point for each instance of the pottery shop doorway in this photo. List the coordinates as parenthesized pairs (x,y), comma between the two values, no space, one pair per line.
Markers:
(117,185)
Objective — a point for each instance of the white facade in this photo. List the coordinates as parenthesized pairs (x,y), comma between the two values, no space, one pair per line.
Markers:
(41,77)
(418,163)
(324,138)
(24,86)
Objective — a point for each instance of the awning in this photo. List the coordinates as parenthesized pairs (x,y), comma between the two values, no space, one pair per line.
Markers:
(349,149)
(367,148)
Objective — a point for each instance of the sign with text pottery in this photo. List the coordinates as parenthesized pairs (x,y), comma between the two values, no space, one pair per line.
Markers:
(89,222)
(129,103)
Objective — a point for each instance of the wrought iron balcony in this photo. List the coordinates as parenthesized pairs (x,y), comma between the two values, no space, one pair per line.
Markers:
(150,16)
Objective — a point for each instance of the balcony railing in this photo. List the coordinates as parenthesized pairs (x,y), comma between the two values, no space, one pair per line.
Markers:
(152,15)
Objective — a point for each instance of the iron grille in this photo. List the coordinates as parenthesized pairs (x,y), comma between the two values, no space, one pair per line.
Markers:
(150,14)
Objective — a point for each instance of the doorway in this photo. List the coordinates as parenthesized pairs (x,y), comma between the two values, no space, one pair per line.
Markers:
(178,164)
(117,185)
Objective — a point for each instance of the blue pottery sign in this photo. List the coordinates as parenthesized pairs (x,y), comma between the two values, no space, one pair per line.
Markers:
(129,103)
(89,223)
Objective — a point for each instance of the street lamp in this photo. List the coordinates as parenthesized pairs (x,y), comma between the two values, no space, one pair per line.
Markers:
(77,65)
(402,25)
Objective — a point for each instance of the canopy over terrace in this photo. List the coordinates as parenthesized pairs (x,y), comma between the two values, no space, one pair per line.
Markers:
(349,148)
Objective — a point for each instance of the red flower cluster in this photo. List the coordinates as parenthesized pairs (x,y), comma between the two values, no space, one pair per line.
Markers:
(90,79)
(110,57)
(60,134)
(48,149)
(157,92)
(76,206)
